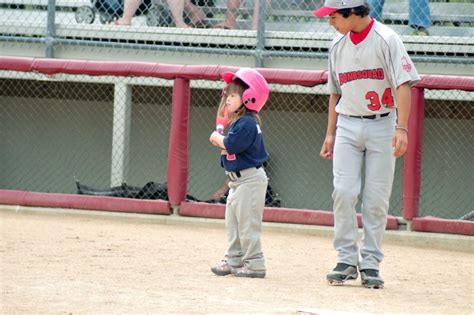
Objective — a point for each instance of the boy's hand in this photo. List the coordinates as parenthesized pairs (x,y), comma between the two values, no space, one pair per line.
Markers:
(327,147)
(399,142)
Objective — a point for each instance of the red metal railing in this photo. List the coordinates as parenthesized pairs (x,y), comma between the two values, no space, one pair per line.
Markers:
(178,163)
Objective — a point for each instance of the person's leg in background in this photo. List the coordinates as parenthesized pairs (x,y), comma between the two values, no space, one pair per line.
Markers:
(376,7)
(177,8)
(419,16)
(129,9)
(231,15)
(196,14)
(255,12)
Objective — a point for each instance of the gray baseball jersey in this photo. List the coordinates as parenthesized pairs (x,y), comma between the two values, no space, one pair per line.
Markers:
(367,74)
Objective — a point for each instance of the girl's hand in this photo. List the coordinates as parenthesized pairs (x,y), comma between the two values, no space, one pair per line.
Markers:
(222,121)
(217,139)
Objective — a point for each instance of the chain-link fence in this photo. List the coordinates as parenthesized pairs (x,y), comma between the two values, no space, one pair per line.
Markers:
(448,147)
(433,32)
(57,132)
(60,132)
(105,131)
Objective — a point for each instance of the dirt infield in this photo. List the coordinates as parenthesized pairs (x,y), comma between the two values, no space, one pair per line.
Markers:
(53,262)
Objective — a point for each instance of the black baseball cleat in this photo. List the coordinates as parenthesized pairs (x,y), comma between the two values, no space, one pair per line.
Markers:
(222,269)
(371,279)
(342,273)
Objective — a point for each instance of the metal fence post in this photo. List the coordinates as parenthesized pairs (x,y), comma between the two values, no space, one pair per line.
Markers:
(51,29)
(121,133)
(260,46)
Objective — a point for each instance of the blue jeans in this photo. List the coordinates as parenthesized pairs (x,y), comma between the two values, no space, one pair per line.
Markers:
(418,12)
(112,6)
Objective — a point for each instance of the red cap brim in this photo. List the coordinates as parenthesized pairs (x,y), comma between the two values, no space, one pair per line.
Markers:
(228,76)
(323,11)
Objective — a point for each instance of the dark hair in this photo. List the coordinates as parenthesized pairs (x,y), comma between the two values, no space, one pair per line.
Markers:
(362,11)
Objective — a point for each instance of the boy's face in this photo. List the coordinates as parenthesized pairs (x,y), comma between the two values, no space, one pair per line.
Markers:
(341,24)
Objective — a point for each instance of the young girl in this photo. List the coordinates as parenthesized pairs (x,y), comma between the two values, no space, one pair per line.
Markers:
(242,158)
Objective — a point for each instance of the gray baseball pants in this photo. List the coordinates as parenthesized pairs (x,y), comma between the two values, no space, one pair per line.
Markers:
(243,218)
(360,141)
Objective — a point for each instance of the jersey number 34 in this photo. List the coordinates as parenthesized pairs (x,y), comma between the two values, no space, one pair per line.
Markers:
(374,98)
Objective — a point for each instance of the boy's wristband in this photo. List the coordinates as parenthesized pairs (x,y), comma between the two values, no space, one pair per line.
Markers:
(401,128)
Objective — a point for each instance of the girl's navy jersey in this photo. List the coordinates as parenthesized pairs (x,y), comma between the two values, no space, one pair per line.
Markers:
(244,145)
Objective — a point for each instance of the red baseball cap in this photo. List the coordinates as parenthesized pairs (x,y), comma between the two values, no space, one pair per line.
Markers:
(331,6)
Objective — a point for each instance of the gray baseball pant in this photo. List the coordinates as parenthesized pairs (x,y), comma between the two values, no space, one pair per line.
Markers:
(360,141)
(243,218)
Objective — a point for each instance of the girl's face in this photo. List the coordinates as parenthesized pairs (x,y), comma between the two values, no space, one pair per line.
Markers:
(233,101)
(341,24)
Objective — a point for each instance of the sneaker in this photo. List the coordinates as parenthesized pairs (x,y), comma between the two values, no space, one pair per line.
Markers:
(371,279)
(342,273)
(222,269)
(246,272)
(420,31)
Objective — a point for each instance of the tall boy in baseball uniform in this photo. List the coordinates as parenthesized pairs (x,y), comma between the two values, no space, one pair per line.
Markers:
(369,79)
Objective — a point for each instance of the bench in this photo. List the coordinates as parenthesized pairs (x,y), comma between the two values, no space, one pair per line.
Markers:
(61,5)
(283,34)
(442,13)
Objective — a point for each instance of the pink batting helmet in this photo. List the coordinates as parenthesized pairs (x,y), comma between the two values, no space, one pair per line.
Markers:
(257,94)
